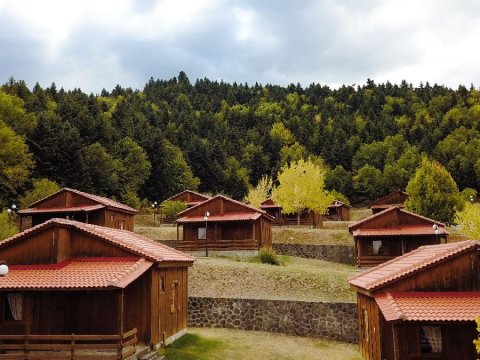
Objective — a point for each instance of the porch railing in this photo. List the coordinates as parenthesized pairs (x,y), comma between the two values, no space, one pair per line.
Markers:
(73,346)
(191,245)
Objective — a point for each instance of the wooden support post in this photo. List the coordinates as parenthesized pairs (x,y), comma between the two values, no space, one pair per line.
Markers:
(72,347)
(121,311)
(396,352)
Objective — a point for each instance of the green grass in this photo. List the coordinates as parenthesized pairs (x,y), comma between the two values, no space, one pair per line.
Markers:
(193,347)
(227,344)
(297,279)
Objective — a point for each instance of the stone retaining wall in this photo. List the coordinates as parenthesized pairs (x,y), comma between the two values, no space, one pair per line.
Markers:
(336,321)
(337,253)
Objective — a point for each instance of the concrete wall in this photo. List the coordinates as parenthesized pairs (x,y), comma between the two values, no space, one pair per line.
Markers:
(336,321)
(337,253)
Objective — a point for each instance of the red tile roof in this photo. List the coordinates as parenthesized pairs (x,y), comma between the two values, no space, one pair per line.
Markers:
(429,306)
(184,214)
(130,241)
(395,208)
(77,273)
(63,209)
(218,218)
(99,199)
(409,263)
(269,204)
(406,230)
(338,203)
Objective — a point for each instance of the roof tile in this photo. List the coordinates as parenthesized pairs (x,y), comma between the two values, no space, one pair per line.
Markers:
(408,264)
(429,306)
(76,273)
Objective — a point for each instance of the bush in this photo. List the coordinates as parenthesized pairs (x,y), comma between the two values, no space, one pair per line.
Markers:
(268,256)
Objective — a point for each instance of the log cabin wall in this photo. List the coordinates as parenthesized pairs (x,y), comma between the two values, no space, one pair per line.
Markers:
(37,248)
(116,219)
(369,327)
(138,308)
(171,285)
(84,245)
(392,246)
(456,344)
(64,312)
(461,273)
(393,218)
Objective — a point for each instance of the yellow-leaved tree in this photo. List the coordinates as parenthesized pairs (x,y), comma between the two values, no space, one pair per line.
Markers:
(477,342)
(469,220)
(260,192)
(301,185)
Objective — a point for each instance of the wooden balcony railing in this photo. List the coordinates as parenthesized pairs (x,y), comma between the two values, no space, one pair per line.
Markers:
(73,346)
(192,245)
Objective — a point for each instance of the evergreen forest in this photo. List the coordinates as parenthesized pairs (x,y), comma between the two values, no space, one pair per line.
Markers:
(216,137)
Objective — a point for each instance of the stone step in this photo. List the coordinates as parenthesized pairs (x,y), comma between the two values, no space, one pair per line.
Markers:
(151,355)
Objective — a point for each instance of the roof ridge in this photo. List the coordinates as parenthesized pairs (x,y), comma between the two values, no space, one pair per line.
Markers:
(389,194)
(449,249)
(227,199)
(190,191)
(392,208)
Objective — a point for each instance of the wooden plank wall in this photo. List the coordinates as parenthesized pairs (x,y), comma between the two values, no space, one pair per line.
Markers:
(458,274)
(371,348)
(172,303)
(138,307)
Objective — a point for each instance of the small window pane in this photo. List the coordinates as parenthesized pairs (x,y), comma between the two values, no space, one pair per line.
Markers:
(377,247)
(202,233)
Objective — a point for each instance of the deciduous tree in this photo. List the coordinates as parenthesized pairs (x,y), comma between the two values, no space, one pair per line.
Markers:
(302,186)
(41,189)
(433,192)
(261,192)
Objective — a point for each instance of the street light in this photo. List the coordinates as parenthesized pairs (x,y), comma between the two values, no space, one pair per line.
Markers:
(154,206)
(436,230)
(207,214)
(3,268)
(472,199)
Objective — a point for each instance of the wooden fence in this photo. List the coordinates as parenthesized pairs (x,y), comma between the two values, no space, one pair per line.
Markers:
(73,346)
(219,245)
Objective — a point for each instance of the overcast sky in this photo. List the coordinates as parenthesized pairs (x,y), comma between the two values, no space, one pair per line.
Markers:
(98,44)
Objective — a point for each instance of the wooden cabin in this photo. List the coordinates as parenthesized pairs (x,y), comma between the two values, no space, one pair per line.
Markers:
(69,282)
(231,225)
(272,209)
(421,305)
(190,197)
(393,232)
(396,198)
(338,211)
(79,206)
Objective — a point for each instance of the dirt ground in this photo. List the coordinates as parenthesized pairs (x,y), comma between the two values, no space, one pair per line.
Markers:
(299,279)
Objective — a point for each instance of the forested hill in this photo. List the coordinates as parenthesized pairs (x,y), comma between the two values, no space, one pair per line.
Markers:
(220,137)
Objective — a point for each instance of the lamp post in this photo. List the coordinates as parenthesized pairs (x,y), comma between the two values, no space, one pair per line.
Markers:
(472,199)
(12,210)
(436,231)
(3,268)
(207,214)
(154,206)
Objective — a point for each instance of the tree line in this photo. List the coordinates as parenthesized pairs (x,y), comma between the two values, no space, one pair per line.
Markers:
(216,137)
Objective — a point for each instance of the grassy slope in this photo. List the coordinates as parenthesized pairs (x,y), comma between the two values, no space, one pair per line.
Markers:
(220,344)
(299,279)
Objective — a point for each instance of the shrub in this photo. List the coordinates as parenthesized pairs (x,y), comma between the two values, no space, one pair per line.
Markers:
(268,256)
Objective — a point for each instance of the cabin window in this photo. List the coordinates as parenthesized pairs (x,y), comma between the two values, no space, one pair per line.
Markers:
(202,233)
(13,307)
(112,218)
(174,303)
(121,224)
(430,339)
(377,247)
